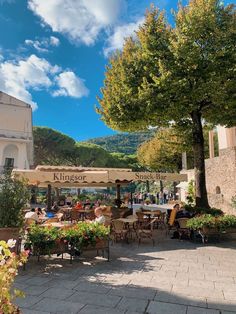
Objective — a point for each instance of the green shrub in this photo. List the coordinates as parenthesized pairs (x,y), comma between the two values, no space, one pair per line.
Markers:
(226,222)
(14,196)
(202,221)
(42,238)
(222,223)
(201,211)
(81,235)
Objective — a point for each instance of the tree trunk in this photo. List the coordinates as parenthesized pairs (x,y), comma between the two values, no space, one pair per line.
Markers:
(147,186)
(161,185)
(199,161)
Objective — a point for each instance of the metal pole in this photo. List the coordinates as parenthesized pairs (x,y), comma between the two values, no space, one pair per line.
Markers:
(49,197)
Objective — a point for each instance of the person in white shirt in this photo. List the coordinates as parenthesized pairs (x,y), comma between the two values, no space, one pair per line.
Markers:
(32,215)
(100,218)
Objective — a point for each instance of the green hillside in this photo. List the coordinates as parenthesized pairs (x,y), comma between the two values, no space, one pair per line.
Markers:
(126,143)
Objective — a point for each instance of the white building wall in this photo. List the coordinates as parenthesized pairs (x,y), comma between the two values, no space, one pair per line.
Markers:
(16,136)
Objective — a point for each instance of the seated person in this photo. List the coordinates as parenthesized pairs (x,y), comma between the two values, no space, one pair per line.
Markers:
(100,218)
(32,215)
(87,202)
(40,211)
(182,213)
(78,205)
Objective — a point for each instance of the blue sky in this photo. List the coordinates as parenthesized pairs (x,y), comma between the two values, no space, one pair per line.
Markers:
(53,55)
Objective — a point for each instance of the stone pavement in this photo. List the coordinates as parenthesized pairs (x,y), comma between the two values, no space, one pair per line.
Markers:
(173,277)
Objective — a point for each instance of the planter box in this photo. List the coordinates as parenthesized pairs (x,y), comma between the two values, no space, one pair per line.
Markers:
(229,230)
(60,248)
(207,233)
(101,245)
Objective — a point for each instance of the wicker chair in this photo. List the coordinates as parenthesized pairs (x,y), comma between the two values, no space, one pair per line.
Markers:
(145,231)
(182,229)
(118,231)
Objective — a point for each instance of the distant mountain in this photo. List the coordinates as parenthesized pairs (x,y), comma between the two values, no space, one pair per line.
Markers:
(126,143)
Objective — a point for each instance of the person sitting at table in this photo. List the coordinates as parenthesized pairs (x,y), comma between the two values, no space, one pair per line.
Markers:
(78,205)
(32,215)
(182,213)
(40,211)
(100,218)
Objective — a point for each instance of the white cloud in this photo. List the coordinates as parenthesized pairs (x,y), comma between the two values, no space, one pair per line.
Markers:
(116,40)
(44,44)
(34,73)
(54,41)
(70,85)
(81,20)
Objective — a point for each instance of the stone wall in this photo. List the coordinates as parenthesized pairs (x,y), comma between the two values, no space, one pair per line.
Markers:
(221,179)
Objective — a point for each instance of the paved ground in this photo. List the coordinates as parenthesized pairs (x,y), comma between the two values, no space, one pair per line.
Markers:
(170,278)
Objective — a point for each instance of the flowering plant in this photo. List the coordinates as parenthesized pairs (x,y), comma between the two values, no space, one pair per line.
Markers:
(9,263)
(44,240)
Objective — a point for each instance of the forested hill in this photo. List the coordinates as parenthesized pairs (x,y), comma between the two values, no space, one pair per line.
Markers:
(126,143)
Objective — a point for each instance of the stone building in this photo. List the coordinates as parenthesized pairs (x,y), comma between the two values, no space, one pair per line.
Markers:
(220,171)
(16,138)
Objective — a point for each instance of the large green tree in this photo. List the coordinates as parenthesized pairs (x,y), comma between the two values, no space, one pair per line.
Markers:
(52,147)
(163,152)
(181,75)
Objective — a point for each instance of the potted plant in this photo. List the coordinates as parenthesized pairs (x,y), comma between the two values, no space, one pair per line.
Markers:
(206,225)
(9,263)
(44,240)
(51,240)
(227,223)
(14,196)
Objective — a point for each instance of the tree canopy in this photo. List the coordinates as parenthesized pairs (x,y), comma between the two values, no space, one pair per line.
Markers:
(163,152)
(177,75)
(54,148)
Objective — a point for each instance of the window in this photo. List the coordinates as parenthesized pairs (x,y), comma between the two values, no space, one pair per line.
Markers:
(218,191)
(9,163)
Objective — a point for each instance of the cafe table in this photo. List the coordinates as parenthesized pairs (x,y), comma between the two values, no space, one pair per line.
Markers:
(128,220)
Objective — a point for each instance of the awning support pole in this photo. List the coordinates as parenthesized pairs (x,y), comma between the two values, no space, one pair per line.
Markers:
(49,197)
(118,198)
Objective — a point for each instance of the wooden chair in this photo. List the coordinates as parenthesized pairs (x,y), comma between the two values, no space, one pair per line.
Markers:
(75,216)
(140,216)
(107,222)
(145,231)
(182,228)
(118,230)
